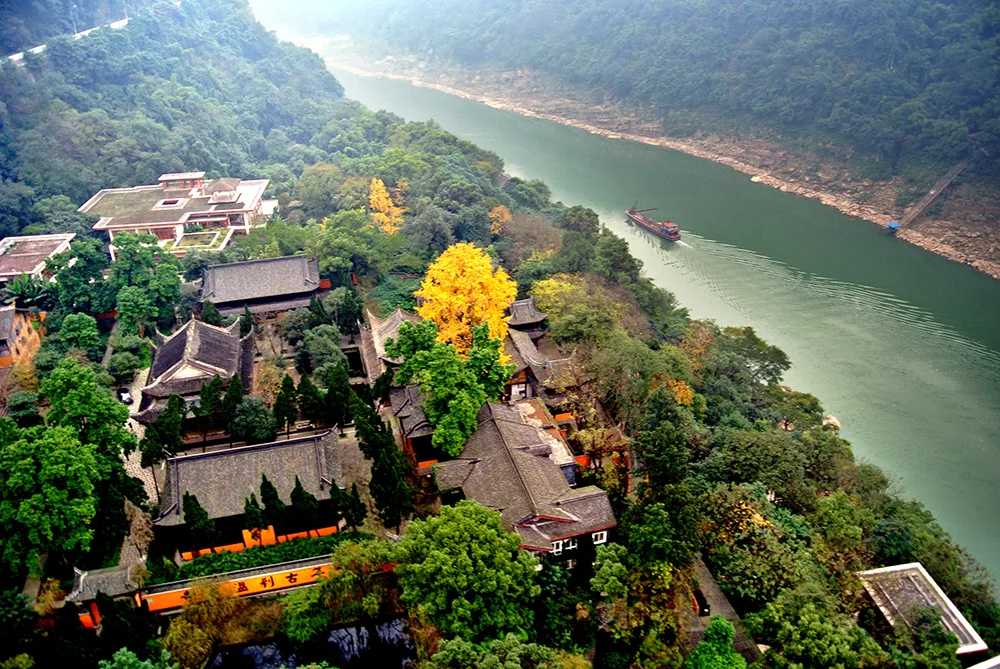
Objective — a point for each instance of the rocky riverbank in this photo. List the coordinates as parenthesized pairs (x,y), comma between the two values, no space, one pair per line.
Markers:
(960,230)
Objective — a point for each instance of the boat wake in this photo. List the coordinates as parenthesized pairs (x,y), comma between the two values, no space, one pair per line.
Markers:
(682,243)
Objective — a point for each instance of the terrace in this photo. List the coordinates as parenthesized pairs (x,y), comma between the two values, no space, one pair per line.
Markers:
(210,240)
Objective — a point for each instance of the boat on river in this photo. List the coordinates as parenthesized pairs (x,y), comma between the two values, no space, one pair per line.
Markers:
(666,229)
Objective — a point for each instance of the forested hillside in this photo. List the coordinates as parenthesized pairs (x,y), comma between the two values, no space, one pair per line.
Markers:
(28,23)
(905,80)
(200,86)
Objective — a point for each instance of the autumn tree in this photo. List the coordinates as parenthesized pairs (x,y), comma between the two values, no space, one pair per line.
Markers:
(461,290)
(488,584)
(385,214)
(499,217)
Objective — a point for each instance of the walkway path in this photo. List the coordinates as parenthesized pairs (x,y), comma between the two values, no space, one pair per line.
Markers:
(719,605)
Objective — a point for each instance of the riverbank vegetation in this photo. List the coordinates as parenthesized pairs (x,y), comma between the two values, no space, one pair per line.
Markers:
(907,85)
(686,424)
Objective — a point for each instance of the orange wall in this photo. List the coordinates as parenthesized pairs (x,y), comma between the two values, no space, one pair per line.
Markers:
(25,343)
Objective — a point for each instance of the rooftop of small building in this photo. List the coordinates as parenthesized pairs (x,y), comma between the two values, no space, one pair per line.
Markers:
(901,591)
(137,206)
(510,464)
(260,279)
(27,254)
(222,480)
(524,312)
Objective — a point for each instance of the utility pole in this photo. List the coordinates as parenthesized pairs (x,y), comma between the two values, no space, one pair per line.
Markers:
(72,17)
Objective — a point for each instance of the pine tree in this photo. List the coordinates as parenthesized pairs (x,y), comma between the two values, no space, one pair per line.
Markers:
(318,314)
(165,437)
(350,313)
(253,516)
(230,402)
(335,506)
(274,508)
(305,506)
(286,409)
(210,405)
(310,401)
(355,510)
(246,322)
(200,526)
(391,492)
(372,432)
(338,397)
(210,313)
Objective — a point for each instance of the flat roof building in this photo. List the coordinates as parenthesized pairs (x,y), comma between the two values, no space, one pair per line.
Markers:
(184,211)
(27,254)
(902,591)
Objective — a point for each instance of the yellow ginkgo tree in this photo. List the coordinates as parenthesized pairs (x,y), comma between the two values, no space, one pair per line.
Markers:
(499,217)
(462,290)
(385,214)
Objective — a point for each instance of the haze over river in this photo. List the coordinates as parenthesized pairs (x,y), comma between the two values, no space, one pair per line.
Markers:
(901,345)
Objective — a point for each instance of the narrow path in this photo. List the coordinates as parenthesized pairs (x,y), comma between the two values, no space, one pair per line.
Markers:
(719,605)
(924,203)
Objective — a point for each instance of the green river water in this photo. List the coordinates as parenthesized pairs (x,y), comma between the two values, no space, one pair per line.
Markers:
(901,345)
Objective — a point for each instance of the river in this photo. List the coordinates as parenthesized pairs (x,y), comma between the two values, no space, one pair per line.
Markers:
(901,345)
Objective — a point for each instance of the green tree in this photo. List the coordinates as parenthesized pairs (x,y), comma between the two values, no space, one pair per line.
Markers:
(354,508)
(22,407)
(274,507)
(715,651)
(165,436)
(210,313)
(391,492)
(338,395)
(79,274)
(509,652)
(210,405)
(253,422)
(231,402)
(126,659)
(246,322)
(311,401)
(454,389)
(201,527)
(468,573)
(80,331)
(47,495)
(253,515)
(286,409)
(123,366)
(135,310)
(305,505)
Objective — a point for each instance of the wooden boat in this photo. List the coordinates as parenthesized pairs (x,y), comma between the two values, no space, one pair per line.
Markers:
(667,229)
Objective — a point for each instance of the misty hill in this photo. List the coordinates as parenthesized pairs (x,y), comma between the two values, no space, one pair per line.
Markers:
(905,80)
(197,86)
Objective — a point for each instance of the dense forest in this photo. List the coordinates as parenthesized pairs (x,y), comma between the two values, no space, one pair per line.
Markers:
(719,457)
(24,25)
(908,81)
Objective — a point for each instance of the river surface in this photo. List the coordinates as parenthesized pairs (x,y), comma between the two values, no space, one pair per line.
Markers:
(901,345)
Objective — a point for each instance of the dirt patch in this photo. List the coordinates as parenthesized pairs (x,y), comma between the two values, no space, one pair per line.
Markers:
(964,227)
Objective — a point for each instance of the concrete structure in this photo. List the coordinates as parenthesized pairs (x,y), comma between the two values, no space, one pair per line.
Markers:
(27,254)
(185,212)
(902,591)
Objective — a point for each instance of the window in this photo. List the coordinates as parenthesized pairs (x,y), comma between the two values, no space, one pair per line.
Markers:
(599,537)
(170,203)
(571,544)
(557,547)
(570,564)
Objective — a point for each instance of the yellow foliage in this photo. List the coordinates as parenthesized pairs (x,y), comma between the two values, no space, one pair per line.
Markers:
(683,394)
(385,214)
(462,290)
(499,217)
(267,382)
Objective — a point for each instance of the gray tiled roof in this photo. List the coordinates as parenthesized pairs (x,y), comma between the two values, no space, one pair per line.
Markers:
(213,350)
(550,373)
(113,581)
(524,312)
(505,466)
(408,408)
(260,279)
(222,480)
